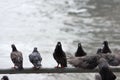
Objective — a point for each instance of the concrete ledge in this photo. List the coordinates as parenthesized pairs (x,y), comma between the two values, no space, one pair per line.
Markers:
(52,70)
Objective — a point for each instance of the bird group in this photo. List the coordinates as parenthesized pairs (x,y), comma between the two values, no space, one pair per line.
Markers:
(59,55)
(17,58)
(103,59)
(35,57)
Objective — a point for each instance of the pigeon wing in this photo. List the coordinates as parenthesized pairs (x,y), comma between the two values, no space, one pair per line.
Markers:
(35,59)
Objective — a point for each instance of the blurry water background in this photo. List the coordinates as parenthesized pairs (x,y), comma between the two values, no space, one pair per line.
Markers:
(42,23)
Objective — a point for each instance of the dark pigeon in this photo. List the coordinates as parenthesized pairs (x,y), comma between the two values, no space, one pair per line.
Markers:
(85,62)
(80,52)
(17,58)
(104,70)
(106,48)
(60,56)
(5,78)
(35,58)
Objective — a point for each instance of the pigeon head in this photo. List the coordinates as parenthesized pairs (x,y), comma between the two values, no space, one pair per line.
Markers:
(105,43)
(105,68)
(79,45)
(13,47)
(5,78)
(58,47)
(106,48)
(99,51)
(35,49)
(59,44)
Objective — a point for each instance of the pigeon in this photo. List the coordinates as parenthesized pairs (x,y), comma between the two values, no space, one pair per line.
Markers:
(35,58)
(60,56)
(17,58)
(85,62)
(5,78)
(106,48)
(80,52)
(104,71)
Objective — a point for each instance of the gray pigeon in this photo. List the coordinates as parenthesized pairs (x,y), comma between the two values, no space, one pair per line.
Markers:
(17,58)
(113,60)
(80,52)
(85,62)
(5,78)
(60,56)
(35,58)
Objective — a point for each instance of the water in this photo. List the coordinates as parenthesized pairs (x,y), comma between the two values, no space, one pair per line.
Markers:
(42,23)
